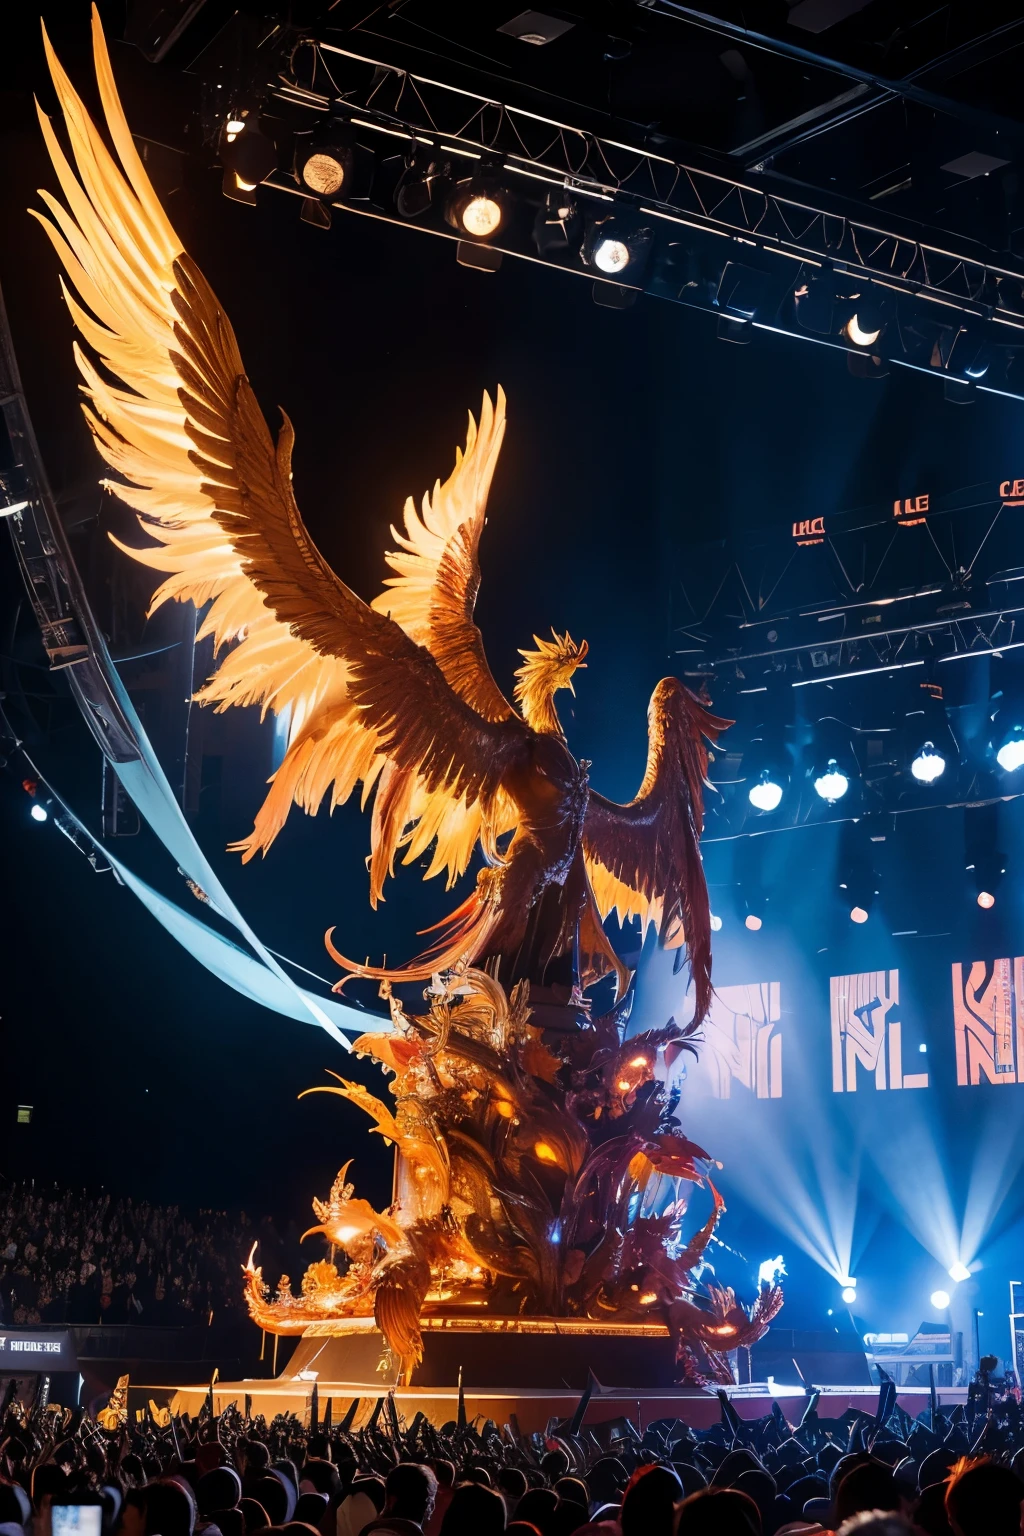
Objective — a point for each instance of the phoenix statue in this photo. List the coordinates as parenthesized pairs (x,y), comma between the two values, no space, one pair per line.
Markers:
(534,1140)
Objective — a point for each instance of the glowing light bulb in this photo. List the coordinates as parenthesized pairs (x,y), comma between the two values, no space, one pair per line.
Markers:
(986,899)
(611,255)
(940,1300)
(481,216)
(959,1272)
(752,921)
(858,915)
(765,794)
(1010,756)
(38,812)
(833,783)
(849,1294)
(324,174)
(716,923)
(928,765)
(858,335)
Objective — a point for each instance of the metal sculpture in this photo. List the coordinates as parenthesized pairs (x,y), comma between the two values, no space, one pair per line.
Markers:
(538,1145)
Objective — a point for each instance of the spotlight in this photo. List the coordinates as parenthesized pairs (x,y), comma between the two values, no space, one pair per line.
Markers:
(1010,756)
(752,921)
(940,1300)
(866,323)
(716,924)
(766,793)
(38,812)
(986,899)
(849,1294)
(332,164)
(833,783)
(478,207)
(248,157)
(858,915)
(614,247)
(959,1272)
(928,765)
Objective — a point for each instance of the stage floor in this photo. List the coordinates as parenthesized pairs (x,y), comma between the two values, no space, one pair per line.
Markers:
(534,1406)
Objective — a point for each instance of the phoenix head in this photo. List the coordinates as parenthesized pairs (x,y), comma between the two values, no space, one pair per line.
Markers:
(543,672)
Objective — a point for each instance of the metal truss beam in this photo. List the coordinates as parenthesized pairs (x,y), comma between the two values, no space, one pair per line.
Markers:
(759,212)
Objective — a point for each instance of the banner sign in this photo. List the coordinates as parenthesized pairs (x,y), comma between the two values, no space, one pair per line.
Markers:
(24,1351)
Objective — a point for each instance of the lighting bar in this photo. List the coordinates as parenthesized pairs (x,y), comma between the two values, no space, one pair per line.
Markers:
(995,650)
(839,677)
(17,506)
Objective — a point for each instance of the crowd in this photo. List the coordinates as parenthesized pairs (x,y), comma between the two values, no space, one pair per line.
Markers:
(68,1257)
(952,1472)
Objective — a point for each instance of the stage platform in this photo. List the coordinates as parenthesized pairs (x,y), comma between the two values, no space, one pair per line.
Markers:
(535,1368)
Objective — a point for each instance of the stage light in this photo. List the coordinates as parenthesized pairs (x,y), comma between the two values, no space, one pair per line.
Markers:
(940,1300)
(716,923)
(765,794)
(986,900)
(611,255)
(752,921)
(860,337)
(477,207)
(833,783)
(858,915)
(849,1294)
(558,225)
(614,247)
(928,765)
(959,1272)
(248,158)
(38,812)
(1010,756)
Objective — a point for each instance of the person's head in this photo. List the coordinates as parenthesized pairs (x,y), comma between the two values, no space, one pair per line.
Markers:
(537,1507)
(554,1464)
(254,1515)
(219,1489)
(649,1501)
(270,1491)
(869,1486)
(48,1483)
(936,1467)
(606,1480)
(718,1512)
(257,1456)
(930,1511)
(512,1485)
(322,1476)
(318,1448)
(310,1509)
(410,1491)
(373,1488)
(983,1499)
(475,1510)
(169,1509)
(573,1490)
(444,1471)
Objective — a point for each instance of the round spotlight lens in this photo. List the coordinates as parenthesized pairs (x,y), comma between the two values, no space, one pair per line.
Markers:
(849,1294)
(481,216)
(858,915)
(859,335)
(765,794)
(833,783)
(38,813)
(323,174)
(928,765)
(986,899)
(752,921)
(1010,756)
(234,126)
(940,1300)
(959,1272)
(611,255)
(716,923)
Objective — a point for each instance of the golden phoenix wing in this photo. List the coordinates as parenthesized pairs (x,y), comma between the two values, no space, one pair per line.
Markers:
(181,427)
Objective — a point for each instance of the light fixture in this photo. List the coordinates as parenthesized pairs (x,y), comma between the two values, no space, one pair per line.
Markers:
(858,915)
(716,923)
(38,812)
(1010,756)
(959,1272)
(849,1294)
(611,255)
(752,921)
(986,899)
(766,793)
(330,164)
(248,158)
(856,332)
(928,765)
(613,246)
(833,783)
(234,125)
(557,227)
(940,1300)
(478,207)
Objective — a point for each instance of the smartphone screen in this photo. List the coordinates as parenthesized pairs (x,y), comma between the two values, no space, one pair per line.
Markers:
(76,1519)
